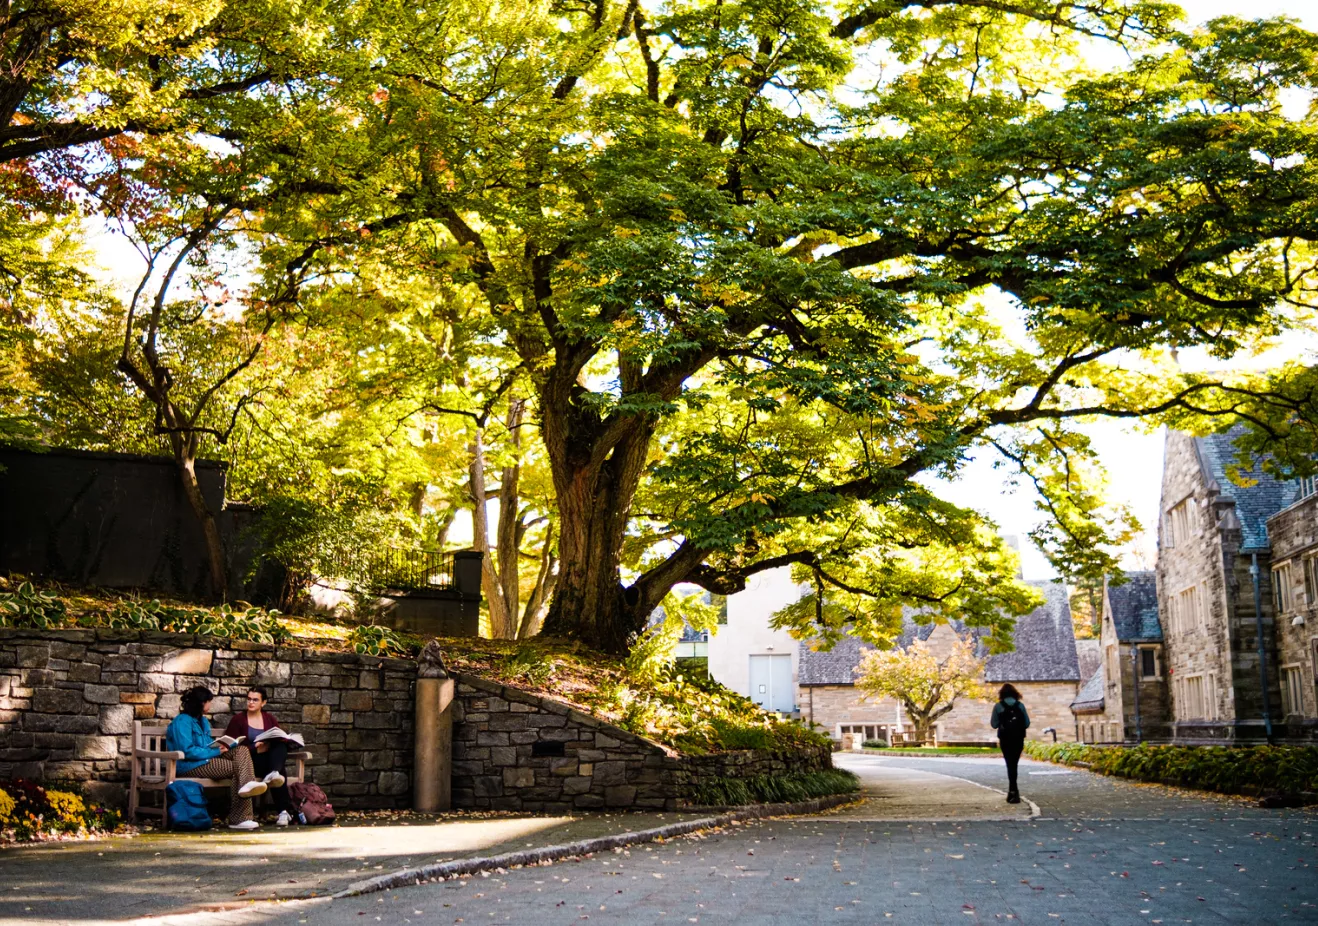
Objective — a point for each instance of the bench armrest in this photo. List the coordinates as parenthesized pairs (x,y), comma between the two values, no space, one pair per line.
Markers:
(299,755)
(154,754)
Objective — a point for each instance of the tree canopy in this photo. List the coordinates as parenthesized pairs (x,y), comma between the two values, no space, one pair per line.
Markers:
(762,271)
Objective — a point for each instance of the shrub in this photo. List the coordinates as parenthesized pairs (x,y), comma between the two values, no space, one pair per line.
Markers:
(530,664)
(256,625)
(28,811)
(29,608)
(374,640)
(774,789)
(1228,769)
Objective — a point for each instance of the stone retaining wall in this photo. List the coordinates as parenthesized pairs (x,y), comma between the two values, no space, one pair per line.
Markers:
(513,750)
(68,700)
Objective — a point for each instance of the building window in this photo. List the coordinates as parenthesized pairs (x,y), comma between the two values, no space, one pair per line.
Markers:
(1192,698)
(1283,595)
(1178,524)
(1187,610)
(1308,486)
(1292,697)
(1311,580)
(1148,662)
(866,731)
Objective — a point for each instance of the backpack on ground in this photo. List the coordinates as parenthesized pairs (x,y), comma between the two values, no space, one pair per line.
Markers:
(186,807)
(1011,722)
(311,804)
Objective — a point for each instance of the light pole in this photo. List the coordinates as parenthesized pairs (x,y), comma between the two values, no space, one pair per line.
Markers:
(1263,655)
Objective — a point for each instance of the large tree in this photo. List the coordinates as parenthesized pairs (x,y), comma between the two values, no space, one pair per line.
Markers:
(853,242)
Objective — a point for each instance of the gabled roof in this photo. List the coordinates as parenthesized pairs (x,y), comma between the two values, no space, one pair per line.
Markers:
(1045,647)
(1090,695)
(1255,503)
(1134,608)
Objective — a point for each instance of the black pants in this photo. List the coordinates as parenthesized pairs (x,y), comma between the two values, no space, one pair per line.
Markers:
(1011,751)
(273,760)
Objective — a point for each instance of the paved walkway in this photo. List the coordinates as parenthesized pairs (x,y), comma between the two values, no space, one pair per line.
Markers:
(1103,853)
(119,879)
(927,792)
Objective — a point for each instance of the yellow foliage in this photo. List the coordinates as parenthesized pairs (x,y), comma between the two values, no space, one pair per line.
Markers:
(68,807)
(7,805)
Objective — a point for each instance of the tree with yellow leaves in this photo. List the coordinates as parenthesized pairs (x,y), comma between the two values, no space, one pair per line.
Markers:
(926,686)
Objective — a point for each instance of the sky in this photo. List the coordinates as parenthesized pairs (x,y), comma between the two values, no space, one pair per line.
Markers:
(1131,454)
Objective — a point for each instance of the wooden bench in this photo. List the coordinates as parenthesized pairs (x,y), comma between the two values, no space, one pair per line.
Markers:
(901,740)
(154,767)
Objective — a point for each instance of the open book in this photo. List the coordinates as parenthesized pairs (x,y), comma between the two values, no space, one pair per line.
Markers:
(228,741)
(274,733)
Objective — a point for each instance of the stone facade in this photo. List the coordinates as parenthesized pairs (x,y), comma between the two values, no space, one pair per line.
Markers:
(1130,702)
(1293,533)
(513,750)
(1210,534)
(68,700)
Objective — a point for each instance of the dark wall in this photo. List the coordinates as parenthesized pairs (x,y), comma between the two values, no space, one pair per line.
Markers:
(113,520)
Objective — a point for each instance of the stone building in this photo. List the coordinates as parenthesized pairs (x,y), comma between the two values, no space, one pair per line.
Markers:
(1214,562)
(1293,534)
(1125,699)
(1043,667)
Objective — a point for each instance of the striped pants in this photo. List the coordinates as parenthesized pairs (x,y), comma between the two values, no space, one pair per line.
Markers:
(235,765)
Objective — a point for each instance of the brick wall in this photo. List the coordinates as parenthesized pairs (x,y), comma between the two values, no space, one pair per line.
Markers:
(68,700)
(513,750)
(1049,704)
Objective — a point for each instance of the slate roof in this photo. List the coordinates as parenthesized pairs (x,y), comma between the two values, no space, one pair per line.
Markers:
(1090,695)
(1254,503)
(1135,608)
(1045,647)
(1090,654)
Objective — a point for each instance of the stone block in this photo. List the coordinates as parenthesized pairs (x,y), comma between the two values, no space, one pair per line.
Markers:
(588,801)
(120,664)
(563,767)
(85,672)
(369,680)
(38,678)
(101,694)
(591,755)
(586,768)
(59,701)
(525,737)
(33,656)
(343,717)
(271,674)
(315,713)
(487,786)
(610,773)
(96,747)
(117,718)
(330,696)
(503,756)
(492,739)
(518,708)
(169,705)
(357,701)
(378,760)
(363,739)
(60,649)
(576,785)
(469,769)
(619,796)
(143,711)
(518,778)
(185,662)
(155,681)
(26,754)
(606,742)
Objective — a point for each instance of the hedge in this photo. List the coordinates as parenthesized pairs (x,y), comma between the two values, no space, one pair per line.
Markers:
(1227,769)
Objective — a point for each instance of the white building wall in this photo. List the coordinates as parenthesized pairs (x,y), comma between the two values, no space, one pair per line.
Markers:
(747,632)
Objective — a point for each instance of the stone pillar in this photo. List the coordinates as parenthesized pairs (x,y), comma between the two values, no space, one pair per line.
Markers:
(432,778)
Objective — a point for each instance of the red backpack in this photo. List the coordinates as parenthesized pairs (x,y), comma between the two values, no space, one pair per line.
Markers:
(311,804)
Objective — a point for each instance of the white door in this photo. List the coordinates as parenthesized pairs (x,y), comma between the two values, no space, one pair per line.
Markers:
(771,683)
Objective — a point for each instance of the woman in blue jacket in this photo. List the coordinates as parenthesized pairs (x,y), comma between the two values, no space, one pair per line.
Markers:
(190,734)
(1011,721)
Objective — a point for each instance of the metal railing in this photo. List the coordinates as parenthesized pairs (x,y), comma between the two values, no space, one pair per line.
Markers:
(392,568)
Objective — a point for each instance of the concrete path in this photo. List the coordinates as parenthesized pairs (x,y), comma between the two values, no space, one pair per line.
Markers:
(1112,854)
(121,879)
(895,792)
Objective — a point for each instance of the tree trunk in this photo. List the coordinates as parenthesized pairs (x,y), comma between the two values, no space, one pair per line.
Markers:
(187,467)
(501,622)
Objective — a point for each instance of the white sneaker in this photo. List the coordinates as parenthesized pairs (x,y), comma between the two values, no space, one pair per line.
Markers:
(274,780)
(284,818)
(245,825)
(252,789)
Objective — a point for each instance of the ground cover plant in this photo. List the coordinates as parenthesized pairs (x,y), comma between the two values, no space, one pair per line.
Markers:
(30,812)
(774,789)
(924,752)
(1227,769)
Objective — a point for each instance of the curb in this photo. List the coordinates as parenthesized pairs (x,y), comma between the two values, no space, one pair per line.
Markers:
(468,866)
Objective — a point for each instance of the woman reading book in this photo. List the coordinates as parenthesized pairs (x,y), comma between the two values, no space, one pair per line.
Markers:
(203,757)
(269,755)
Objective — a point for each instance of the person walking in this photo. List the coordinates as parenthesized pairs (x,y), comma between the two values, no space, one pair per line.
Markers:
(190,734)
(1011,721)
(270,758)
